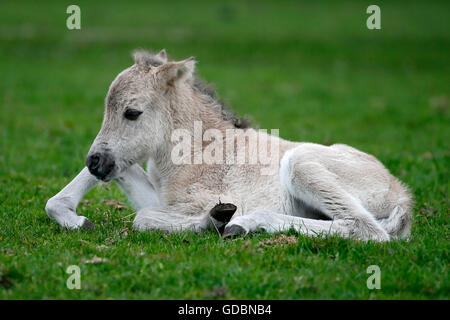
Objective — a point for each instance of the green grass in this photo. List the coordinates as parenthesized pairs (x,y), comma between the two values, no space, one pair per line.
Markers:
(313,70)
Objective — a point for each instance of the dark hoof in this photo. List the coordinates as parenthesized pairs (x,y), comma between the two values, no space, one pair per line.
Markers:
(233,232)
(221,229)
(88,225)
(223,212)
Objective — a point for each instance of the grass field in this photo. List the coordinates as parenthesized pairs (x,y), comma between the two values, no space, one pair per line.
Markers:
(313,70)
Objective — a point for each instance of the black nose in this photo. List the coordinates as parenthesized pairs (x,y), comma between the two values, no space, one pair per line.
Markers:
(100,164)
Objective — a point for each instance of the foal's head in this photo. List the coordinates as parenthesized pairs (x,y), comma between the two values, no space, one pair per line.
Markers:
(137,119)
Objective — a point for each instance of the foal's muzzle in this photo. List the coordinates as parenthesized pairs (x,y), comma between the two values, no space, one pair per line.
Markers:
(100,164)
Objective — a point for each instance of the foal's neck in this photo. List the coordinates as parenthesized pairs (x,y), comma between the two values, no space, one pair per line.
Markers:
(189,106)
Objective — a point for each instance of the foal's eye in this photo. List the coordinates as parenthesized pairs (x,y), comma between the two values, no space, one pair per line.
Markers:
(132,114)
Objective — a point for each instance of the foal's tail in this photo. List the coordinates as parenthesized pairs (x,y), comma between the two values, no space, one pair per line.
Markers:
(398,223)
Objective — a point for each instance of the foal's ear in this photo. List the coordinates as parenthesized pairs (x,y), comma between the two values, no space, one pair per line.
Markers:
(162,55)
(146,61)
(173,72)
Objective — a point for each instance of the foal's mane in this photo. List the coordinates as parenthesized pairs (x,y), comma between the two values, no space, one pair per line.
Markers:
(200,86)
(210,93)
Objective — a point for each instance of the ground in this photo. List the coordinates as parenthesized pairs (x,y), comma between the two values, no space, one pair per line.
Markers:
(313,70)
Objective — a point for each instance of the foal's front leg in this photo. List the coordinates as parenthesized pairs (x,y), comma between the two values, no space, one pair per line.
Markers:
(172,220)
(62,207)
(165,219)
(134,182)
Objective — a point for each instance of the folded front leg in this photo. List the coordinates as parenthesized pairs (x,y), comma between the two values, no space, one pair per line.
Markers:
(134,182)
(137,185)
(148,219)
(62,207)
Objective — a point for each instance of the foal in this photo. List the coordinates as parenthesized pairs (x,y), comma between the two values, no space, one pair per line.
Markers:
(314,189)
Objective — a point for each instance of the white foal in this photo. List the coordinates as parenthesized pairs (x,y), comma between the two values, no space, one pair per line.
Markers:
(316,190)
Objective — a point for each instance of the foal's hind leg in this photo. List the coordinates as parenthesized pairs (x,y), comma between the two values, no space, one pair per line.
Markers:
(275,222)
(318,187)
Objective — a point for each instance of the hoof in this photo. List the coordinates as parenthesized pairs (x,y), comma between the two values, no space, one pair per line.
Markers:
(88,224)
(223,212)
(221,229)
(233,232)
